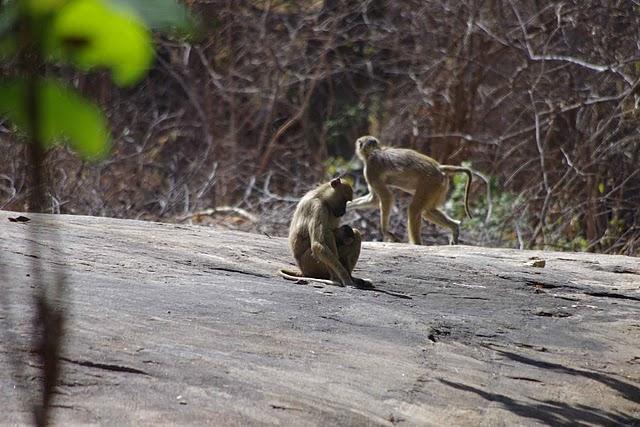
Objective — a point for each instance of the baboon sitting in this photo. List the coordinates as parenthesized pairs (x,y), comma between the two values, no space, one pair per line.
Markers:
(324,251)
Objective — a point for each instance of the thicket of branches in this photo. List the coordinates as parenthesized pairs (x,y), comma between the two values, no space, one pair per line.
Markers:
(541,96)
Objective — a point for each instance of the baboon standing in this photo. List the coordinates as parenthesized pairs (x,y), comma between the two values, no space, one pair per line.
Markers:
(413,173)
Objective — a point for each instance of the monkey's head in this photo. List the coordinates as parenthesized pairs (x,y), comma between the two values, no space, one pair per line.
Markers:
(365,145)
(345,235)
(337,195)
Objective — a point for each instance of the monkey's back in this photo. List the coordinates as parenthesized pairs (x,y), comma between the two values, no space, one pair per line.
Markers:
(309,210)
(405,168)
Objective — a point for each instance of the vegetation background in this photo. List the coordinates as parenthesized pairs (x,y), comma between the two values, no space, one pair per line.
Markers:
(541,96)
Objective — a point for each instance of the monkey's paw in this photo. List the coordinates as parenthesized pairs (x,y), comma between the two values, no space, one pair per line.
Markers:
(362,283)
(391,237)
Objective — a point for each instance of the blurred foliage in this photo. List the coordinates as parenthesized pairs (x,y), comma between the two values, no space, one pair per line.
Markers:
(163,15)
(63,114)
(93,33)
(90,34)
(338,166)
(340,123)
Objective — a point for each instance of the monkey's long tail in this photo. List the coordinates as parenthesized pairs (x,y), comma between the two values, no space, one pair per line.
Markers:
(489,200)
(295,276)
(449,169)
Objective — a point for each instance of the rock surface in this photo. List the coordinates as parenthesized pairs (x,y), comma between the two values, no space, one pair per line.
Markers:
(187,325)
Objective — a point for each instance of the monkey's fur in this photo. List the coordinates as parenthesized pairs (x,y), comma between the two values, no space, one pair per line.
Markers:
(324,251)
(413,173)
(345,235)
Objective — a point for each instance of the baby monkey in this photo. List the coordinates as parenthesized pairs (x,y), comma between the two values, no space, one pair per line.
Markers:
(413,173)
(345,235)
(324,251)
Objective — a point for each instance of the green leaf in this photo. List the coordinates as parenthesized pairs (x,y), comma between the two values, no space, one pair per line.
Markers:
(41,7)
(95,33)
(159,14)
(601,187)
(8,17)
(64,114)
(8,47)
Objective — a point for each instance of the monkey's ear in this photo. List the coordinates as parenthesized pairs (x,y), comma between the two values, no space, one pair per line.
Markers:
(335,182)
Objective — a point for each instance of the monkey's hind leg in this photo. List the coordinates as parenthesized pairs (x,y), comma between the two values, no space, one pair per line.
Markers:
(440,218)
(414,219)
(311,266)
(312,269)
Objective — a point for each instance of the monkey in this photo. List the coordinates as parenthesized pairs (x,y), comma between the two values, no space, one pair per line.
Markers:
(348,241)
(414,173)
(324,251)
(344,235)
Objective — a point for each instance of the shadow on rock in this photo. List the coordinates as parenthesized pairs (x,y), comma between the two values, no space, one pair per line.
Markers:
(550,412)
(383,291)
(629,391)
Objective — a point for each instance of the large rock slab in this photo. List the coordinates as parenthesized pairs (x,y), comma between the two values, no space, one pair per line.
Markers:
(187,324)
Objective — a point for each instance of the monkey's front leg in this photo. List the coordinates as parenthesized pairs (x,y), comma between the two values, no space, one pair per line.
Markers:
(329,258)
(368,201)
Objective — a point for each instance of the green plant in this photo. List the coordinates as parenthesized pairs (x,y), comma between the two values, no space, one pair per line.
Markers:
(88,34)
(336,166)
(339,125)
(507,216)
